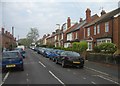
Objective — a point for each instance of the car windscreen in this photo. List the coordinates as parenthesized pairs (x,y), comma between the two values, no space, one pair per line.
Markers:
(72,54)
(10,55)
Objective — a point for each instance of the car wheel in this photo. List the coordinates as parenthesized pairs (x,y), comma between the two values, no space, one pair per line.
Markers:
(22,68)
(82,66)
(63,64)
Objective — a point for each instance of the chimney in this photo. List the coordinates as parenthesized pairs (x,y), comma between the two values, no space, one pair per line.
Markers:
(6,32)
(80,20)
(53,32)
(88,15)
(68,22)
(3,30)
(13,31)
(103,12)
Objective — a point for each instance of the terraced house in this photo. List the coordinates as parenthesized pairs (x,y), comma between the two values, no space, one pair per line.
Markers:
(76,33)
(94,29)
(103,29)
(7,39)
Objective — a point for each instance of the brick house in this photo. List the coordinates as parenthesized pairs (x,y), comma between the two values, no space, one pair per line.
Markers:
(51,39)
(77,32)
(7,39)
(103,29)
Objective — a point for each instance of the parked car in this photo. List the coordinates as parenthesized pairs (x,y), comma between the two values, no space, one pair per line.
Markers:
(58,52)
(12,59)
(70,58)
(47,52)
(52,54)
(22,52)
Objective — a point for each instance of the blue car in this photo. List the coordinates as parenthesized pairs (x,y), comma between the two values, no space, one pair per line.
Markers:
(22,52)
(12,59)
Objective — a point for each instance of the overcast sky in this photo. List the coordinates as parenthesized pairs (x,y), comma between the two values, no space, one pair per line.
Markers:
(45,14)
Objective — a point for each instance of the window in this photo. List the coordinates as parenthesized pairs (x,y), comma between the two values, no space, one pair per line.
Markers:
(106,26)
(94,30)
(89,46)
(76,36)
(108,41)
(98,29)
(88,31)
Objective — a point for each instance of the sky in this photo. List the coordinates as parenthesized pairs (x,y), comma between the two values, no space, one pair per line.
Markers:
(45,14)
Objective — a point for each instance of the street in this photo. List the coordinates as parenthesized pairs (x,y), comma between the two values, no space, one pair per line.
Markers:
(41,70)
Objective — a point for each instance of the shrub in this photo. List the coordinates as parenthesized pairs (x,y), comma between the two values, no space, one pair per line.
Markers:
(107,47)
(96,49)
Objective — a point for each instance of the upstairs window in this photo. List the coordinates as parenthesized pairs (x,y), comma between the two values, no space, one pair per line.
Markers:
(107,27)
(76,36)
(88,31)
(98,29)
(95,30)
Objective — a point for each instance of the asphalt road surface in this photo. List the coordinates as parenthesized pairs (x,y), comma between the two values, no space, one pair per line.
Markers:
(41,70)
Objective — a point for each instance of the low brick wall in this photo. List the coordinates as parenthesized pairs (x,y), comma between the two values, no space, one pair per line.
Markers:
(103,58)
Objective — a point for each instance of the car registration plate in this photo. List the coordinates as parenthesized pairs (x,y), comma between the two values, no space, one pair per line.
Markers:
(10,66)
(76,62)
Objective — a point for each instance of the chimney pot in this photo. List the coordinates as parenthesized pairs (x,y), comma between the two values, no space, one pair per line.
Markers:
(80,20)
(88,15)
(3,30)
(103,12)
(68,22)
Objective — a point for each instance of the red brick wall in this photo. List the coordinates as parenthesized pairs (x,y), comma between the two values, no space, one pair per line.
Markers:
(115,33)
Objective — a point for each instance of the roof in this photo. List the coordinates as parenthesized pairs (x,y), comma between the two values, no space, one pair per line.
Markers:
(78,26)
(104,17)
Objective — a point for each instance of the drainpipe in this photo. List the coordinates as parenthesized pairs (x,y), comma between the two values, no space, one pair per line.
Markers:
(112,27)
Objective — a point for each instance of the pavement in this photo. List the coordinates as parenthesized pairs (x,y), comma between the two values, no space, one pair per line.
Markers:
(111,70)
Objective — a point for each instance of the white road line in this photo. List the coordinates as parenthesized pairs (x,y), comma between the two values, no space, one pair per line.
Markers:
(107,79)
(93,82)
(68,70)
(1,83)
(56,78)
(74,73)
(27,80)
(4,78)
(84,78)
(96,71)
(27,74)
(42,64)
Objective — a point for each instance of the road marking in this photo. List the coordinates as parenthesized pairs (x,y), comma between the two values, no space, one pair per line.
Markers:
(84,78)
(27,80)
(68,70)
(42,64)
(27,74)
(93,82)
(74,73)
(107,79)
(56,78)
(6,76)
(97,71)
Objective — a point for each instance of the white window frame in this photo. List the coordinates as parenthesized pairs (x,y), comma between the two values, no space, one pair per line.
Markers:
(95,30)
(107,27)
(98,29)
(89,49)
(88,31)
(76,35)
(105,40)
